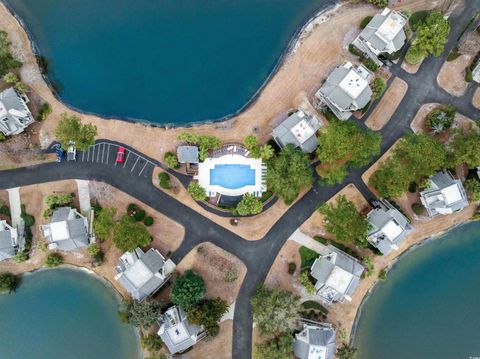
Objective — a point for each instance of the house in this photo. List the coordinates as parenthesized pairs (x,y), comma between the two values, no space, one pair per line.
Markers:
(389,227)
(383,35)
(14,113)
(347,89)
(315,341)
(298,129)
(444,195)
(187,154)
(68,230)
(337,275)
(476,73)
(143,273)
(176,332)
(9,241)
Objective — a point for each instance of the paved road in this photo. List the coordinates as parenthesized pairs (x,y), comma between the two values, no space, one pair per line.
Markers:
(258,256)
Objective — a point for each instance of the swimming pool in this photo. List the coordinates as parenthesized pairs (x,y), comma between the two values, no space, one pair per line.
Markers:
(232,176)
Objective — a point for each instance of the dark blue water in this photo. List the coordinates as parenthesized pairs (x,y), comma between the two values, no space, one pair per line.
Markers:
(165,61)
(63,314)
(232,176)
(430,305)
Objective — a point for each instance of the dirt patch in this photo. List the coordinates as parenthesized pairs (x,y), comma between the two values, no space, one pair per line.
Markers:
(218,347)
(476,98)
(388,105)
(452,75)
(411,69)
(214,265)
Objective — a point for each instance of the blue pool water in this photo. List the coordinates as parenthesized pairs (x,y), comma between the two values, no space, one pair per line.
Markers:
(428,308)
(63,314)
(232,176)
(164,61)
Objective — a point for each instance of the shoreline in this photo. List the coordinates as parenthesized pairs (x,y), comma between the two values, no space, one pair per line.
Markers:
(288,50)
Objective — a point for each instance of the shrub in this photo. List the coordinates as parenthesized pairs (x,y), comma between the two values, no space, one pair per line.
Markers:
(378,87)
(414,56)
(197,192)
(208,313)
(441,119)
(249,204)
(365,21)
(292,267)
(204,143)
(230,275)
(10,78)
(53,260)
(378,3)
(8,282)
(151,342)
(7,62)
(131,209)
(93,249)
(164,180)
(368,264)
(469,75)
(2,137)
(148,221)
(188,290)
(412,187)
(4,210)
(454,54)
(28,219)
(171,160)
(383,274)
(306,282)
(57,200)
(47,213)
(21,257)
(279,347)
(370,64)
(44,111)
(139,215)
(129,234)
(416,18)
(417,208)
(103,223)
(472,186)
(353,50)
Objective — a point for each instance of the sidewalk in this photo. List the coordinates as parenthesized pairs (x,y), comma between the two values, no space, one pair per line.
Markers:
(308,242)
(83,196)
(15,205)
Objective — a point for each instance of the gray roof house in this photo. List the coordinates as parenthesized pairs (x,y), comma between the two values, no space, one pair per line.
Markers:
(298,129)
(187,154)
(68,230)
(347,89)
(176,332)
(315,341)
(14,113)
(143,273)
(389,227)
(476,73)
(444,195)
(9,241)
(337,275)
(384,34)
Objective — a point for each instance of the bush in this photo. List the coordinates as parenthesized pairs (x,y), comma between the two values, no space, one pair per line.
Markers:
(311,304)
(412,187)
(188,290)
(292,267)
(8,282)
(378,87)
(472,187)
(58,200)
(370,64)
(53,260)
(417,208)
(454,54)
(414,56)
(21,257)
(151,342)
(353,50)
(44,111)
(47,213)
(249,204)
(10,78)
(28,220)
(306,282)
(2,137)
(383,274)
(148,221)
(103,223)
(368,264)
(129,234)
(4,210)
(197,192)
(469,75)
(7,62)
(378,3)
(93,250)
(171,160)
(441,119)
(139,215)
(416,18)
(365,21)
(164,180)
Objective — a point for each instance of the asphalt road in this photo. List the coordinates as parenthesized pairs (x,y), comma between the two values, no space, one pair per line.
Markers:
(135,179)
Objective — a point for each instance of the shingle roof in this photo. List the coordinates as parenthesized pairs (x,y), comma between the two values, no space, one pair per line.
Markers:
(187,154)
(7,250)
(315,341)
(14,113)
(74,228)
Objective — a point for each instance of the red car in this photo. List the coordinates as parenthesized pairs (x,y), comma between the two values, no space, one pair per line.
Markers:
(120,155)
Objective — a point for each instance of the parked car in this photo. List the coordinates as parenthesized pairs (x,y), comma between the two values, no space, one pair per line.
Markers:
(120,155)
(71,151)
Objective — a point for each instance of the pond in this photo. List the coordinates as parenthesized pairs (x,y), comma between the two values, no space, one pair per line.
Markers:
(163,61)
(64,313)
(429,305)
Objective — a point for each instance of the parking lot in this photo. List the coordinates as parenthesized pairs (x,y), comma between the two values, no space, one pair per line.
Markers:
(106,154)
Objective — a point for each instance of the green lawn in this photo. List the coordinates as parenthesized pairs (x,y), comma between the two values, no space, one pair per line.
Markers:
(308,256)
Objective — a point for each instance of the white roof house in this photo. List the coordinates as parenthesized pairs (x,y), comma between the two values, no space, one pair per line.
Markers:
(143,273)
(384,34)
(298,129)
(14,113)
(347,89)
(445,195)
(337,275)
(315,341)
(176,332)
(9,241)
(68,230)
(389,227)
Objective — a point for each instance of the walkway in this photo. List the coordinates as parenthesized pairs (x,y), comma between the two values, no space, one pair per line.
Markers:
(15,206)
(306,241)
(84,196)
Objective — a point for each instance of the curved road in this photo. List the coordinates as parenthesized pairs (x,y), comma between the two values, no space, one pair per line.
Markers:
(258,256)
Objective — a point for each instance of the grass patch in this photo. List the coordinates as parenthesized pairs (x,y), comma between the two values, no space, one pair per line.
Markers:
(311,304)
(308,256)
(321,240)
(454,54)
(365,22)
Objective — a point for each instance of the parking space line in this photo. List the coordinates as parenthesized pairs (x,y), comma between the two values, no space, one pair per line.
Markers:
(108,153)
(103,151)
(93,153)
(88,154)
(145,165)
(138,157)
(98,153)
(83,155)
(128,155)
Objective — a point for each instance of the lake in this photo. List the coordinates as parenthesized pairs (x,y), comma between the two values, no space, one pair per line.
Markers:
(63,314)
(162,61)
(429,305)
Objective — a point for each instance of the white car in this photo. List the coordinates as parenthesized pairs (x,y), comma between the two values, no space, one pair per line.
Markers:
(71,152)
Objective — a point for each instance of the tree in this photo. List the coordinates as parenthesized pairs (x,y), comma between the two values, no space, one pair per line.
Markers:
(53,260)
(171,160)
(345,222)
(151,342)
(441,119)
(251,143)
(7,62)
(379,3)
(103,223)
(21,87)
(8,282)
(10,78)
(129,234)
(249,204)
(58,200)
(289,173)
(346,352)
(277,348)
(266,152)
(44,111)
(70,128)
(197,192)
(431,37)
(464,148)
(275,311)
(306,282)
(208,313)
(140,314)
(472,186)
(342,145)
(188,290)
(204,142)
(378,87)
